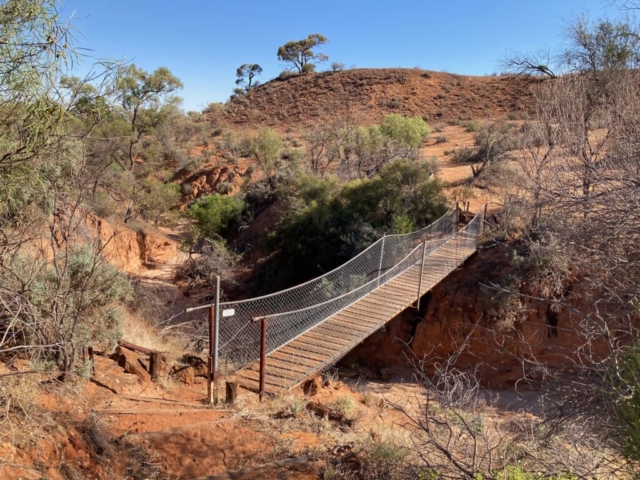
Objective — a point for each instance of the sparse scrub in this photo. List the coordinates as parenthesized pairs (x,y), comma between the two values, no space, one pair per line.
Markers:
(224,188)
(472,126)
(464,155)
(345,405)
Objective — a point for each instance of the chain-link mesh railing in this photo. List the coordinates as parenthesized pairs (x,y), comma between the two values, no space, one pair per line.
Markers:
(422,267)
(239,336)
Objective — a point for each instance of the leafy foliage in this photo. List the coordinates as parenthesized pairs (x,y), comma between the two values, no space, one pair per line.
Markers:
(215,215)
(265,147)
(409,132)
(64,305)
(326,223)
(300,53)
(245,75)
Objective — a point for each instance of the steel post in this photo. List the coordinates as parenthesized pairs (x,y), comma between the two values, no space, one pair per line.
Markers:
(210,359)
(424,253)
(216,340)
(263,357)
(384,236)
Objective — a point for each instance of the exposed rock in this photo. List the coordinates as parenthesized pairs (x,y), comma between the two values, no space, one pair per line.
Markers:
(456,311)
(131,363)
(193,372)
(313,386)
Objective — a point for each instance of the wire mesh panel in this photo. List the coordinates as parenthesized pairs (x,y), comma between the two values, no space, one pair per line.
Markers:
(240,336)
(325,332)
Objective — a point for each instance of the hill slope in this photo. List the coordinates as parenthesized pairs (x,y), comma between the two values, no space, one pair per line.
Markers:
(373,93)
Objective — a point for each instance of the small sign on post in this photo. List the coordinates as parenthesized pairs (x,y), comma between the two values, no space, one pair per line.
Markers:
(229,312)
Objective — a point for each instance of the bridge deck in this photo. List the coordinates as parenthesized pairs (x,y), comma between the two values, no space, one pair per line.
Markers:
(330,340)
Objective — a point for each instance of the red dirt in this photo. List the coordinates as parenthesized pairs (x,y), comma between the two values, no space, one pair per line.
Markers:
(373,93)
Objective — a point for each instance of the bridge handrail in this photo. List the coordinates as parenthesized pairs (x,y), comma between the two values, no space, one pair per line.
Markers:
(274,315)
(324,296)
(429,228)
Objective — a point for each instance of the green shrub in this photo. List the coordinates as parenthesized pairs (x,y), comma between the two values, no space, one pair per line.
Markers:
(326,223)
(73,301)
(409,132)
(403,224)
(216,215)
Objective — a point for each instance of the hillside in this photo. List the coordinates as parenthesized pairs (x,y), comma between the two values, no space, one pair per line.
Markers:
(373,93)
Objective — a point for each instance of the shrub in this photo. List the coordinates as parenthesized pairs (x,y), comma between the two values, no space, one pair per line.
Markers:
(73,301)
(410,132)
(442,139)
(403,224)
(325,224)
(626,398)
(224,188)
(464,154)
(216,215)
(344,404)
(472,126)
(337,67)
(285,74)
(265,147)
(158,198)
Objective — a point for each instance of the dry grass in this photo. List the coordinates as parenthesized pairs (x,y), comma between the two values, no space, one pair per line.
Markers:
(141,332)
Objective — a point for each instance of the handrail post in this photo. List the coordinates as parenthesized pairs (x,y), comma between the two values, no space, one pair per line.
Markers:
(384,235)
(214,334)
(424,253)
(263,356)
(210,373)
(484,218)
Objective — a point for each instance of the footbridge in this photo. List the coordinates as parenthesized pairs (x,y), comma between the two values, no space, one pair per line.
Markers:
(275,342)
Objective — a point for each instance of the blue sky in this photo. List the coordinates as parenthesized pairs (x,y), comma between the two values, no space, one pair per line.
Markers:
(203,42)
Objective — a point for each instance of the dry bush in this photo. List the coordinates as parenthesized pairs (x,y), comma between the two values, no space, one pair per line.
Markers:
(459,436)
(207,260)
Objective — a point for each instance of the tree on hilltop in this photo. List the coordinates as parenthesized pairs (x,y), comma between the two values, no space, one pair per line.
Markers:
(246,73)
(300,54)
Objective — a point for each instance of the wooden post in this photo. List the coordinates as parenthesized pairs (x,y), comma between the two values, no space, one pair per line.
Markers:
(263,356)
(232,392)
(424,254)
(154,365)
